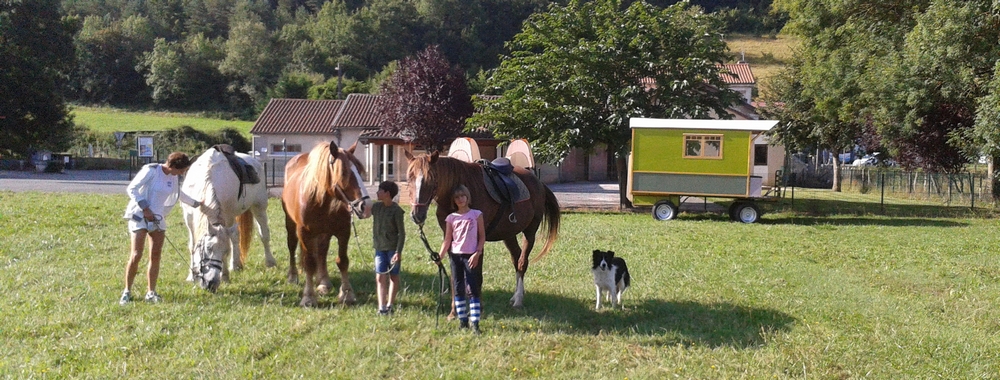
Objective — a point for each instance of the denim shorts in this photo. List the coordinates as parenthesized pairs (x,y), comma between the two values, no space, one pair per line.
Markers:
(136,225)
(382,259)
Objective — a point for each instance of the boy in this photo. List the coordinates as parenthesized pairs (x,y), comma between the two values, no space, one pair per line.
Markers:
(388,235)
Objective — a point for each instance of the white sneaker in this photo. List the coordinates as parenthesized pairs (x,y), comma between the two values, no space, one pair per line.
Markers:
(126,298)
(151,296)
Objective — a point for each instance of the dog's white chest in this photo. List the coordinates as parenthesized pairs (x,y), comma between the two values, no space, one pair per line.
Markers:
(605,279)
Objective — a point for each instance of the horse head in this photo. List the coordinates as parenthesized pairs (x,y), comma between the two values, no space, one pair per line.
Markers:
(350,186)
(422,184)
(209,251)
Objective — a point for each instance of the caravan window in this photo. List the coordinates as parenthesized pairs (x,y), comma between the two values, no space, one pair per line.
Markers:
(702,146)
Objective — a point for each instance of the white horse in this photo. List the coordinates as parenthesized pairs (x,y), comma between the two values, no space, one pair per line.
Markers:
(212,207)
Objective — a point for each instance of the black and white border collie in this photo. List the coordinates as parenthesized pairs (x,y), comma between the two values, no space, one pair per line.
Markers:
(610,277)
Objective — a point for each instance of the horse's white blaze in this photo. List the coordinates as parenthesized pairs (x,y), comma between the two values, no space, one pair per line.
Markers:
(364,193)
(416,190)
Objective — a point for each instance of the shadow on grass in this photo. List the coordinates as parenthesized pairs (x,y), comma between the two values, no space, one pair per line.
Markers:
(862,221)
(667,323)
(275,289)
(664,323)
(831,207)
(848,213)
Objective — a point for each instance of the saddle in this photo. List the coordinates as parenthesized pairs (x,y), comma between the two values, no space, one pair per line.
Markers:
(504,187)
(244,171)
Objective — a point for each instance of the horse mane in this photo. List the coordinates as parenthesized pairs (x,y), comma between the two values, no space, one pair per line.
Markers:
(453,172)
(201,171)
(323,171)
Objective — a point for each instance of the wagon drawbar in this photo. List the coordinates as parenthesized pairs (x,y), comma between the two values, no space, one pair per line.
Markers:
(675,158)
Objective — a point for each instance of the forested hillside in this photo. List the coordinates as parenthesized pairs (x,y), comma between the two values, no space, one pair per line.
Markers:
(233,55)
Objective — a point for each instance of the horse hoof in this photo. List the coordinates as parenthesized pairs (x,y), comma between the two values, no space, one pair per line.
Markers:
(515,304)
(270,263)
(347,297)
(293,279)
(322,290)
(190,277)
(308,302)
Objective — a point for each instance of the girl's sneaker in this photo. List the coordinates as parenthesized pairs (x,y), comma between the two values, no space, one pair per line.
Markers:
(126,298)
(151,296)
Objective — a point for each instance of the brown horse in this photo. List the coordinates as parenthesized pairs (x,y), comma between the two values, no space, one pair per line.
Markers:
(435,177)
(321,190)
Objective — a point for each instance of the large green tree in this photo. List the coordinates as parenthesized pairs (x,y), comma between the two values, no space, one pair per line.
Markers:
(36,54)
(577,73)
(108,53)
(913,75)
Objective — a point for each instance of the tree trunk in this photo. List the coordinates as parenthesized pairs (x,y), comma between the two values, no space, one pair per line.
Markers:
(836,174)
(994,179)
(622,163)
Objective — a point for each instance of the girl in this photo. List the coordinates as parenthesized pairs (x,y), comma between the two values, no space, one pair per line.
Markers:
(152,194)
(464,238)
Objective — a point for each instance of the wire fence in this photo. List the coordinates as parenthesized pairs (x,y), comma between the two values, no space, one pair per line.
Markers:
(953,189)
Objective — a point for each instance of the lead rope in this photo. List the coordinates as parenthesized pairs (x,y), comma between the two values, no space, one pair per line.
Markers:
(442,274)
(156,221)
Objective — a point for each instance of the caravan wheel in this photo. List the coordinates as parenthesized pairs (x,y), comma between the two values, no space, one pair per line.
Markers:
(745,212)
(664,210)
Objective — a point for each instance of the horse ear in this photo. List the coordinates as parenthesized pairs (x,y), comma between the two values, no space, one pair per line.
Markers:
(408,154)
(434,156)
(333,148)
(352,148)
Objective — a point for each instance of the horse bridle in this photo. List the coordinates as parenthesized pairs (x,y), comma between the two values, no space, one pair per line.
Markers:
(357,206)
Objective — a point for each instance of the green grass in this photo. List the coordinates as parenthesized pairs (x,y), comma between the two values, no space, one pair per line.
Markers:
(823,291)
(112,120)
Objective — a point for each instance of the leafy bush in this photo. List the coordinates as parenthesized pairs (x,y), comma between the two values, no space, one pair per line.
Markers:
(54,167)
(100,163)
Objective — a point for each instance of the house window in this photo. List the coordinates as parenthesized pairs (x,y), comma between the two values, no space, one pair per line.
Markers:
(285,149)
(702,146)
(760,154)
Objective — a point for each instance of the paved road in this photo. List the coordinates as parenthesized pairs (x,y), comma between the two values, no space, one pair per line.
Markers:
(572,195)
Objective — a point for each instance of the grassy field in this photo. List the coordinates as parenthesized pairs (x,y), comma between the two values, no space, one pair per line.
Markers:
(111,120)
(829,291)
(766,55)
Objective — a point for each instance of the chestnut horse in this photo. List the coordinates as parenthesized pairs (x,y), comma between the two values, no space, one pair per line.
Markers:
(433,177)
(321,190)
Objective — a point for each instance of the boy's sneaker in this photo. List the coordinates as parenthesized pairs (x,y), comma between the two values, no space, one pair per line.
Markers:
(126,298)
(388,309)
(151,296)
(383,311)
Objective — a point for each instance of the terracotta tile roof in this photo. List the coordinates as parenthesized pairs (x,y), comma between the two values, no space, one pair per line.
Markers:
(297,116)
(737,73)
(731,73)
(358,111)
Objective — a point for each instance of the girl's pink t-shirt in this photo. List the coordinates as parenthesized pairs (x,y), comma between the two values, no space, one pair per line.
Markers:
(465,231)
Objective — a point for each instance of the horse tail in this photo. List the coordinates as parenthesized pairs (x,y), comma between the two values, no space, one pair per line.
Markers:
(245,222)
(551,219)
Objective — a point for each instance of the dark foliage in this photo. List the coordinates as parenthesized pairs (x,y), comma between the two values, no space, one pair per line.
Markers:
(928,147)
(425,100)
(36,53)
